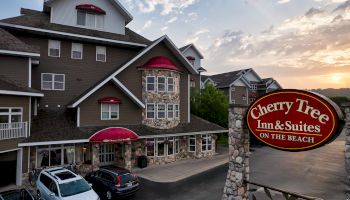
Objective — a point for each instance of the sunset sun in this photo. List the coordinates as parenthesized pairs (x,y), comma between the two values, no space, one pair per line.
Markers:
(336,77)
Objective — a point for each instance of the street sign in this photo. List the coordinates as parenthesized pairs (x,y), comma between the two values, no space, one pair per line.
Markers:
(294,120)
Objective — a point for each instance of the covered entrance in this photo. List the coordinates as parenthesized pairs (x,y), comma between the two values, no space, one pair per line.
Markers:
(8,166)
(113,147)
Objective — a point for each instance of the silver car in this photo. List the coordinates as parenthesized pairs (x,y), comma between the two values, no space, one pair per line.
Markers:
(61,184)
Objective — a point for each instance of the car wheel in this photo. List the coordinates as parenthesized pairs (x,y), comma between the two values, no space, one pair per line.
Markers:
(109,195)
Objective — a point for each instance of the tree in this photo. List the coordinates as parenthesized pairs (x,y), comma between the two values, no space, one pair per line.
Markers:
(339,100)
(210,104)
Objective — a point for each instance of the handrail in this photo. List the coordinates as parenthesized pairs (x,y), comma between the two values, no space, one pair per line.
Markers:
(293,194)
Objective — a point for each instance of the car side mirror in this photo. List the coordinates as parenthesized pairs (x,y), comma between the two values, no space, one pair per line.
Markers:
(90,184)
(52,194)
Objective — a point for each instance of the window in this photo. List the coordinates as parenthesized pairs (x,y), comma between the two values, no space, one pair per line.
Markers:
(54,48)
(45,180)
(150,143)
(192,61)
(77,51)
(52,155)
(160,147)
(170,145)
(150,83)
(244,98)
(192,143)
(161,111)
(177,111)
(52,81)
(106,153)
(193,84)
(10,115)
(101,54)
(150,111)
(206,142)
(253,87)
(109,111)
(161,83)
(171,84)
(90,20)
(170,111)
(53,188)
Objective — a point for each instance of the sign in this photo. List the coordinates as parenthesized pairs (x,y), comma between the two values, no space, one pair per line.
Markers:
(294,120)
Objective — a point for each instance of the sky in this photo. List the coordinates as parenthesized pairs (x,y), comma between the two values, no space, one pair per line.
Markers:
(303,44)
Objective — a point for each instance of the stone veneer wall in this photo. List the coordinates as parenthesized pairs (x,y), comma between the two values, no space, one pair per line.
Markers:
(139,149)
(163,97)
(235,187)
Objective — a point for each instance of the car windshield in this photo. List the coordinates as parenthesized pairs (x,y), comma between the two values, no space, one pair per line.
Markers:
(74,187)
(16,195)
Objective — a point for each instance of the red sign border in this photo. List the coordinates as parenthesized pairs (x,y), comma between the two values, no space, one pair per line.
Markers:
(322,99)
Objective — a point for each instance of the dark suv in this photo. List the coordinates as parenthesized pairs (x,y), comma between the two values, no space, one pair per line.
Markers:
(112,181)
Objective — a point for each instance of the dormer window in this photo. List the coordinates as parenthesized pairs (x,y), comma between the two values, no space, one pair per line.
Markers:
(253,86)
(90,16)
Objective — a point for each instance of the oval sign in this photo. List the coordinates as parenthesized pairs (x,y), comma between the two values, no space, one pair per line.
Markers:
(293,120)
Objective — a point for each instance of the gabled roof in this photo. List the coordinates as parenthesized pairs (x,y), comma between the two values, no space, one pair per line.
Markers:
(9,44)
(128,17)
(225,79)
(185,48)
(112,77)
(12,88)
(38,22)
(269,81)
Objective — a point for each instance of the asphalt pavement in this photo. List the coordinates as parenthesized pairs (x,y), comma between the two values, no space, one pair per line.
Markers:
(207,185)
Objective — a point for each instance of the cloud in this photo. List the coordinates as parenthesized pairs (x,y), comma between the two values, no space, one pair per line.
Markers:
(309,45)
(192,16)
(283,1)
(172,20)
(146,26)
(194,37)
(167,6)
(164,28)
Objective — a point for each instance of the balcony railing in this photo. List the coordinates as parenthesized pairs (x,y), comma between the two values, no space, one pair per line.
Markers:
(13,130)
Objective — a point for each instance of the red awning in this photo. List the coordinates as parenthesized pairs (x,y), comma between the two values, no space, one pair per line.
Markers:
(113,135)
(91,8)
(191,58)
(160,62)
(111,100)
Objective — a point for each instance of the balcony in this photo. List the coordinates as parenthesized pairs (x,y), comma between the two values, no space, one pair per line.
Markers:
(13,130)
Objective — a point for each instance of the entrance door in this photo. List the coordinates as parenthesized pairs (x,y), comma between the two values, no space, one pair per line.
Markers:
(107,154)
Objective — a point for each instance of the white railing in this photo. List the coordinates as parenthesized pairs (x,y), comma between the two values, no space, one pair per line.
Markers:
(13,130)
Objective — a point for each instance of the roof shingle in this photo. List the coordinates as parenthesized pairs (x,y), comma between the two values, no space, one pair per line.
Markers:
(11,43)
(61,127)
(38,19)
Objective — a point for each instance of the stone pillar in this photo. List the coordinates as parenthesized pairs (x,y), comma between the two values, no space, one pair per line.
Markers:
(346,107)
(95,156)
(235,188)
(127,155)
